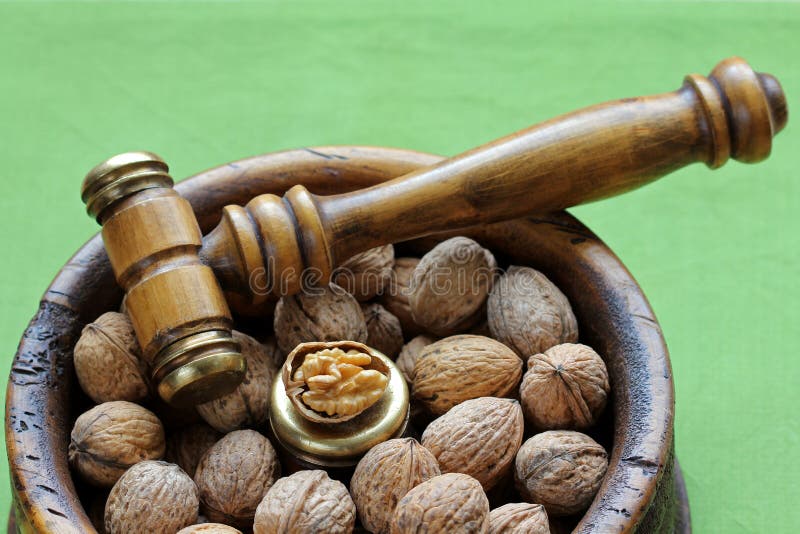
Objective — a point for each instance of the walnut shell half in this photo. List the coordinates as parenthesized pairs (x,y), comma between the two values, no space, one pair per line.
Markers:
(335,381)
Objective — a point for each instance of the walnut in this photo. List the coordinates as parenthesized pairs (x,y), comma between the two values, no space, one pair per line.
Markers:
(450,286)
(277,356)
(108,360)
(384,475)
(452,502)
(528,313)
(519,518)
(334,382)
(560,469)
(151,497)
(248,404)
(410,353)
(458,368)
(366,274)
(110,438)
(564,388)
(307,501)
(479,437)
(322,314)
(210,528)
(187,446)
(234,475)
(383,330)
(395,295)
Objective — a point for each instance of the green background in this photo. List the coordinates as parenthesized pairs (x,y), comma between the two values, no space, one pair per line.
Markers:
(203,83)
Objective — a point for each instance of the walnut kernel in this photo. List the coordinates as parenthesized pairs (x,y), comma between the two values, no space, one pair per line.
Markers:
(384,475)
(560,469)
(307,501)
(110,438)
(564,388)
(151,497)
(334,382)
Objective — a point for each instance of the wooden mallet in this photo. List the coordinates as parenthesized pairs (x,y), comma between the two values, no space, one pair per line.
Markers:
(174,278)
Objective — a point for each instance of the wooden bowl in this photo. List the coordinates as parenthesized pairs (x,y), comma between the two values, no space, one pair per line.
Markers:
(643,489)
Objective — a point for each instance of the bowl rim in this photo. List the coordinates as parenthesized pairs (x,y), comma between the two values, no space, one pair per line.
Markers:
(38,417)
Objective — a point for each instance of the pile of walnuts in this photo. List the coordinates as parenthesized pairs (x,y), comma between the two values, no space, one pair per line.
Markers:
(502,393)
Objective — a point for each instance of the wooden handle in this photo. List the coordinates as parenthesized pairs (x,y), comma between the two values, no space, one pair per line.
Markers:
(604,150)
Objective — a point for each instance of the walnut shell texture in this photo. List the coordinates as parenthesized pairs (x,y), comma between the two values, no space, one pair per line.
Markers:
(560,469)
(566,387)
(248,404)
(527,312)
(111,437)
(384,475)
(334,382)
(366,274)
(210,528)
(234,475)
(384,332)
(395,295)
(151,497)
(307,501)
(108,360)
(410,353)
(450,286)
(186,446)
(326,314)
(459,368)
(479,437)
(452,502)
(519,518)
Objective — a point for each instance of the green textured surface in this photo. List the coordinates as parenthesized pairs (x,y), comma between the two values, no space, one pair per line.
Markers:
(202,83)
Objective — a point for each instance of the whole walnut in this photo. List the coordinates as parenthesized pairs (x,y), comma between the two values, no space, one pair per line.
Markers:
(248,404)
(459,368)
(366,274)
(527,312)
(384,475)
(307,501)
(234,475)
(560,469)
(108,360)
(564,388)
(210,528)
(479,437)
(452,502)
(395,295)
(110,438)
(151,497)
(410,353)
(450,286)
(185,447)
(383,330)
(277,356)
(519,518)
(321,314)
